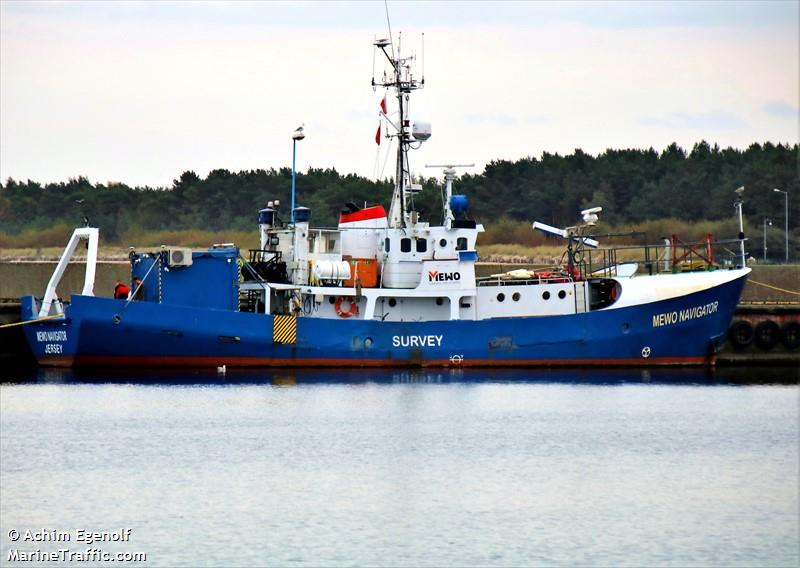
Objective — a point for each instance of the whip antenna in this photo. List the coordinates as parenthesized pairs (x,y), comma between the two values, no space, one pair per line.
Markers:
(388,23)
(423,57)
(374,39)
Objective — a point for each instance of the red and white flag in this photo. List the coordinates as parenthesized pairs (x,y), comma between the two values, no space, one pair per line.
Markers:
(383,111)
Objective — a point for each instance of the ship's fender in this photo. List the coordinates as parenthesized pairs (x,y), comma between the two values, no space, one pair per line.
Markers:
(741,333)
(790,335)
(767,334)
(352,309)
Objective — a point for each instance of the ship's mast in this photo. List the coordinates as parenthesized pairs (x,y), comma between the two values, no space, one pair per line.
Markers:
(403,82)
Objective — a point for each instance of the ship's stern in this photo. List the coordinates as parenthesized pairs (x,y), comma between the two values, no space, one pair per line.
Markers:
(53,340)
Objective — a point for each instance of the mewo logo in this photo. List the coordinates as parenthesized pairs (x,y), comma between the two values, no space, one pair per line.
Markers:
(436,276)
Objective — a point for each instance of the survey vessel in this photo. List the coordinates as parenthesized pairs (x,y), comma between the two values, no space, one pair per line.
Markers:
(392,289)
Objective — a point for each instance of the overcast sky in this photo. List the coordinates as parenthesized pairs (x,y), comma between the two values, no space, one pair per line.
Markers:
(139,92)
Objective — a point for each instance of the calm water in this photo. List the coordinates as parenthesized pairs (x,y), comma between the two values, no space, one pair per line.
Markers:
(408,468)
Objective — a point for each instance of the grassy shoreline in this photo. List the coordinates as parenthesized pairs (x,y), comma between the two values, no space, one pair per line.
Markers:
(494,253)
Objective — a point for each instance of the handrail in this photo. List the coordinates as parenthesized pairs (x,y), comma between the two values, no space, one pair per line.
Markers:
(672,255)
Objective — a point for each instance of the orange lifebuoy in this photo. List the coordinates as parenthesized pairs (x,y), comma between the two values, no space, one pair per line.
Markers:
(351,311)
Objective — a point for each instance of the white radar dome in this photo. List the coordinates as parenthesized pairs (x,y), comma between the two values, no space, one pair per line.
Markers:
(421,131)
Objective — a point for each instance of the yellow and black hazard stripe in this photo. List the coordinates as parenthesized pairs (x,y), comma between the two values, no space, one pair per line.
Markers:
(284,330)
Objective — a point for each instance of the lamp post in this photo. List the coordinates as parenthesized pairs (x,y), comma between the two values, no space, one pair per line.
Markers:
(738,206)
(766,222)
(297,135)
(785,220)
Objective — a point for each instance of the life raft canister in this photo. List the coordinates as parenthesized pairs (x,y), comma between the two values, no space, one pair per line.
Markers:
(352,309)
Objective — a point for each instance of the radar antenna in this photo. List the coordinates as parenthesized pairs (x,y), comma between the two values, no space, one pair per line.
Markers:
(577,240)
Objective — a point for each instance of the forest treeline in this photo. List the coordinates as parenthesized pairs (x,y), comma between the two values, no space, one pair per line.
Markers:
(632,186)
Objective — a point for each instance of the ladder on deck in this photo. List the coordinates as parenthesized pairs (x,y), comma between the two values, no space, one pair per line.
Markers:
(580,298)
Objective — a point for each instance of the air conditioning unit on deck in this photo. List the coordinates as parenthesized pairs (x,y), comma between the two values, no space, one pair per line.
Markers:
(179,256)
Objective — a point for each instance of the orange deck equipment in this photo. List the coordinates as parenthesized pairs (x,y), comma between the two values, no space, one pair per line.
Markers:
(363,269)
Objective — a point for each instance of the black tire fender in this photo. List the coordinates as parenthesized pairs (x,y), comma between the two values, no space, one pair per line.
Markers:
(740,334)
(768,334)
(790,335)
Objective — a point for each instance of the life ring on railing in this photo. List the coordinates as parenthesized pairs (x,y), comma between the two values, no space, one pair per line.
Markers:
(352,310)
(768,334)
(740,334)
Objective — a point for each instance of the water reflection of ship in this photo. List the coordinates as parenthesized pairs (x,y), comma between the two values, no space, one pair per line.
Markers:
(284,380)
(415,376)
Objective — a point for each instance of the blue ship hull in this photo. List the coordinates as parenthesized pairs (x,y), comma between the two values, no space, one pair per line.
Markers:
(683,330)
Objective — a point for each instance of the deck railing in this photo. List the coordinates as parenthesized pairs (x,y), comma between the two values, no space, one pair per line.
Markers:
(673,255)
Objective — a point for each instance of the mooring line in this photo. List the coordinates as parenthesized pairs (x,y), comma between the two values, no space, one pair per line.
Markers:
(773,287)
(54,316)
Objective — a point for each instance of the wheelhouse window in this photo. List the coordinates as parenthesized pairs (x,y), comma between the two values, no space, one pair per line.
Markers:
(422,245)
(386,243)
(405,245)
(461,243)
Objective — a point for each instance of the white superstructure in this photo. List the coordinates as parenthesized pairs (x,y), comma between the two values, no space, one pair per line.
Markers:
(397,267)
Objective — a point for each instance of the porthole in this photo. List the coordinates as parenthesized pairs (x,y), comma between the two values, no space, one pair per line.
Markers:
(368,342)
(392,302)
(562,294)
(501,297)
(443,243)
(439,301)
(331,300)
(626,327)
(545,295)
(515,297)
